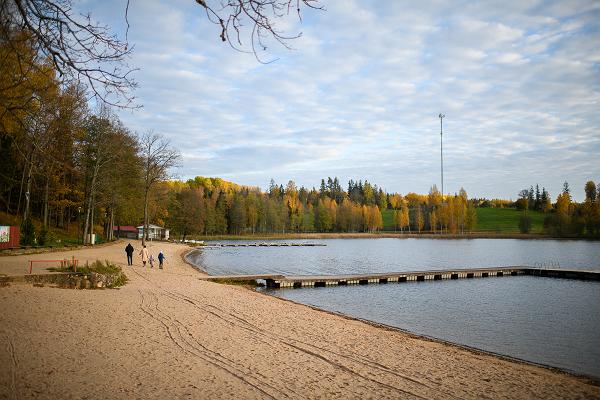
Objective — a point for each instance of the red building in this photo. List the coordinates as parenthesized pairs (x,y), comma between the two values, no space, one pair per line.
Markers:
(10,236)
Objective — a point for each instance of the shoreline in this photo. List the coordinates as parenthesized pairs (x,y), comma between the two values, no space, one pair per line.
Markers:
(390,235)
(168,334)
(592,379)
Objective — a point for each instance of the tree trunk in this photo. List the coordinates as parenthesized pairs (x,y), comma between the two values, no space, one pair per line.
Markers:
(111,224)
(46,189)
(92,220)
(28,192)
(145,236)
(21,189)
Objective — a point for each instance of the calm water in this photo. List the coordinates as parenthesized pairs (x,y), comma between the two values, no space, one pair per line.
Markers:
(544,320)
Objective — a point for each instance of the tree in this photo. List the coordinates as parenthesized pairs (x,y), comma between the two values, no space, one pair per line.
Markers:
(546,202)
(405,217)
(186,212)
(471,216)
(433,220)
(419,219)
(157,158)
(563,212)
(566,189)
(523,202)
(590,191)
(538,200)
(97,150)
(525,223)
(79,49)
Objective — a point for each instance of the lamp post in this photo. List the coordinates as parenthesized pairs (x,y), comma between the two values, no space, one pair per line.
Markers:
(442,154)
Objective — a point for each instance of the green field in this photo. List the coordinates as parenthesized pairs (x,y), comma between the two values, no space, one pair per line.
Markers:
(388,219)
(492,220)
(506,220)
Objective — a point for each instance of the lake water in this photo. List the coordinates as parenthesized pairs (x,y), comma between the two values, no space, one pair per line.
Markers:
(544,320)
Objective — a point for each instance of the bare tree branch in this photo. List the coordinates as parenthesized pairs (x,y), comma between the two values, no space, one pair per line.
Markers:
(79,49)
(232,16)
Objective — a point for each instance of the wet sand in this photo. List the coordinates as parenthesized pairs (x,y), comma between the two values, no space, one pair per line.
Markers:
(168,334)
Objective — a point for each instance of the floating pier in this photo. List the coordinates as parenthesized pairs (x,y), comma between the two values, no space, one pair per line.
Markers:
(276,281)
(267,244)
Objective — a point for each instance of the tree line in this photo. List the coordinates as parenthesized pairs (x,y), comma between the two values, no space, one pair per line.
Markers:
(209,206)
(565,217)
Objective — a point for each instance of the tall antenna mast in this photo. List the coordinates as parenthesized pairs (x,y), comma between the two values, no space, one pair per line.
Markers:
(442,153)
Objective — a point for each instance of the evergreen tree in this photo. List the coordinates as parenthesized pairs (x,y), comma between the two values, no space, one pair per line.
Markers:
(530,198)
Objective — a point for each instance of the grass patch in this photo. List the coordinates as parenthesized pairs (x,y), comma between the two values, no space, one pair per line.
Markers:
(506,220)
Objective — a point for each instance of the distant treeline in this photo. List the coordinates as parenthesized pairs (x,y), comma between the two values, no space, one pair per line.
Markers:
(565,217)
(213,206)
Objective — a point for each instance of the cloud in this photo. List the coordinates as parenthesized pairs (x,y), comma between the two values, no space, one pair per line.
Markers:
(358,96)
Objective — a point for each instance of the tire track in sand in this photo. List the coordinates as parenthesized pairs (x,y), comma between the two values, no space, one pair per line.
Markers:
(268,338)
(179,334)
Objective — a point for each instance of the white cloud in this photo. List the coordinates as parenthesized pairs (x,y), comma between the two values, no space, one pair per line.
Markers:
(358,97)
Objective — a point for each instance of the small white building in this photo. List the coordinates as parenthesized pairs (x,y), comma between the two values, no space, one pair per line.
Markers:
(154,232)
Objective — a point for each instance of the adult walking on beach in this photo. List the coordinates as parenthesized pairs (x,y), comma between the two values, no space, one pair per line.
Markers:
(144,254)
(161,259)
(129,251)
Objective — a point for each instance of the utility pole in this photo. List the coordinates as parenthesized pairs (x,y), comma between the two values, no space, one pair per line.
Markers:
(442,154)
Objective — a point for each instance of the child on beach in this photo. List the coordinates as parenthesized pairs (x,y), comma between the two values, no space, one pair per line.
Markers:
(161,258)
(151,261)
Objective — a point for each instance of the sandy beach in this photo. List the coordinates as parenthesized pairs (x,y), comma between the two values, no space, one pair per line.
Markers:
(169,334)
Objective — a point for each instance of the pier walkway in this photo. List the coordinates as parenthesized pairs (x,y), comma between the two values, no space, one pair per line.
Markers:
(266,244)
(280,281)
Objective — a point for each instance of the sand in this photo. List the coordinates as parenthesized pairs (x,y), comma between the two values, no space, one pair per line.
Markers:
(168,334)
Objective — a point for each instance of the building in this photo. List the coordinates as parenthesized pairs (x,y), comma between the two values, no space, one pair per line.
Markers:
(129,232)
(9,237)
(154,232)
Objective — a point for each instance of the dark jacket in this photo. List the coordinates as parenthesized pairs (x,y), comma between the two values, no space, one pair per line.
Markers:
(129,249)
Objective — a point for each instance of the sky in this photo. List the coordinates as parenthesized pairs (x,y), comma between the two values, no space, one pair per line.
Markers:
(359,94)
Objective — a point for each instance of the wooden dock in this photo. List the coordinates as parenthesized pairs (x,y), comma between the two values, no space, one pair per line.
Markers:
(266,244)
(276,281)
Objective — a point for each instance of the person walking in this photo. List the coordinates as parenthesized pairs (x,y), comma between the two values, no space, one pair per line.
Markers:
(161,259)
(129,251)
(144,254)
(151,261)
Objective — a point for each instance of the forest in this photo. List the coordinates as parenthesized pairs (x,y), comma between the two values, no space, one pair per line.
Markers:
(210,206)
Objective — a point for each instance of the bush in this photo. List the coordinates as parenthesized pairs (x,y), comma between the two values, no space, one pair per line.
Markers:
(103,268)
(42,237)
(525,223)
(27,233)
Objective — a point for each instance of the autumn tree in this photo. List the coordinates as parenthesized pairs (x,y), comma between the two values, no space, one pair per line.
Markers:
(157,157)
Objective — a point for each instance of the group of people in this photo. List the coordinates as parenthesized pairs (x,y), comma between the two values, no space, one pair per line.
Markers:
(146,256)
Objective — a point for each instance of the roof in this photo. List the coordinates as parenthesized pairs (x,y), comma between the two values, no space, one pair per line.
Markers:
(125,228)
(150,226)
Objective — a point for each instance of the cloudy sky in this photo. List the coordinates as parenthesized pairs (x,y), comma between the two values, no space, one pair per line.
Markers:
(359,95)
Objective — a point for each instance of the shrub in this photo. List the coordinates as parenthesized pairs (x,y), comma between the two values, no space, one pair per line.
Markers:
(27,233)
(525,223)
(42,237)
